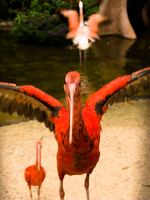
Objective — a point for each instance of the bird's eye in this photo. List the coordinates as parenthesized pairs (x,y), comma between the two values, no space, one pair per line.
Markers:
(79,83)
(65,82)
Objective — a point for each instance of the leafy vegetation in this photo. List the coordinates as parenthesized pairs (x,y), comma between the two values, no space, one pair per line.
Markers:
(89,7)
(40,31)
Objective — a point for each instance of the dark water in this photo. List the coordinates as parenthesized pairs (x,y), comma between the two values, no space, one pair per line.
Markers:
(45,67)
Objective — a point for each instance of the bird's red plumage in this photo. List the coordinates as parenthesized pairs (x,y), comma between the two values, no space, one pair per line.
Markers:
(107,90)
(34,177)
(82,156)
(39,94)
(35,174)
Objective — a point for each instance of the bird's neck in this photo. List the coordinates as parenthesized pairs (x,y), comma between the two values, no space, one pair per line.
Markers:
(81,17)
(38,159)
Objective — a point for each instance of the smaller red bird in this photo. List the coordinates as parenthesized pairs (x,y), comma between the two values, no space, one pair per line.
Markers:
(82,35)
(35,174)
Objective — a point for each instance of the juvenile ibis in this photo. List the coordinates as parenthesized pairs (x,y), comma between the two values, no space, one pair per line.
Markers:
(35,174)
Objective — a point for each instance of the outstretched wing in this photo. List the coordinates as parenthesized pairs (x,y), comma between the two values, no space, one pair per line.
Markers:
(73,21)
(29,101)
(118,89)
(93,22)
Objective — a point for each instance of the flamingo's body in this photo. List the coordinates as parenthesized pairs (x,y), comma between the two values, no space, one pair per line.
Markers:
(35,174)
(77,130)
(82,35)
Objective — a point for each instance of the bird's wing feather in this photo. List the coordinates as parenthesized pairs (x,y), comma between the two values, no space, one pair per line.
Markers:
(92,24)
(30,102)
(118,89)
(73,21)
(27,174)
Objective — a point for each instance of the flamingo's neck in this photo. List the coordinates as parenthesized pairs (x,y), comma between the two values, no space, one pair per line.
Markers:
(81,15)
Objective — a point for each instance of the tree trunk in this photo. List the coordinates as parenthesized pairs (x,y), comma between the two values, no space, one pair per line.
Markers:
(118,22)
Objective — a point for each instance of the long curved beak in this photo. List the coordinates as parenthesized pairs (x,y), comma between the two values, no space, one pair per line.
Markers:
(71,97)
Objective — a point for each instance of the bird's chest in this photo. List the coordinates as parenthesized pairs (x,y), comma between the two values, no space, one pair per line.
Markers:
(79,157)
(81,143)
(76,162)
(82,155)
(36,178)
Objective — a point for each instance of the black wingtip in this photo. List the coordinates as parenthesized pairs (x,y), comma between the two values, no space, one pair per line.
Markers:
(9,87)
(139,74)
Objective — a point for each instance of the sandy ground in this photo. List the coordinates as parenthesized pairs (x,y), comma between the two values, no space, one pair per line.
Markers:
(123,172)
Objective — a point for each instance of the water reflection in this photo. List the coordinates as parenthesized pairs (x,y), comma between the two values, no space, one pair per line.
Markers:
(45,67)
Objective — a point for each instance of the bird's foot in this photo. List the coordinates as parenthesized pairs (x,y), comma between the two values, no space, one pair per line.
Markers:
(127,101)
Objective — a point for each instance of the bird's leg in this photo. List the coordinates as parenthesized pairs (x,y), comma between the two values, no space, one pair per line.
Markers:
(39,193)
(30,194)
(86,184)
(84,54)
(61,191)
(80,55)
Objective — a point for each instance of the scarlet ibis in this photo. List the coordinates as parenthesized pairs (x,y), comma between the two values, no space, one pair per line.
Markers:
(77,130)
(35,174)
(82,35)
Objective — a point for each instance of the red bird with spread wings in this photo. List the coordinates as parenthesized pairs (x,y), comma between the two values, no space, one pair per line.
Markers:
(77,130)
(35,174)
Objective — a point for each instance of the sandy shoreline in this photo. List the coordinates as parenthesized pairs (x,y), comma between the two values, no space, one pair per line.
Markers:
(123,172)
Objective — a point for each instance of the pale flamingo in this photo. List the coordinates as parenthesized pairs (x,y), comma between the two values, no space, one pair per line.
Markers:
(82,35)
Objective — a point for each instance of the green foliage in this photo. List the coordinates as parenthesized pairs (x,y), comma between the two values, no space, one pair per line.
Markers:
(34,25)
(18,19)
(90,7)
(40,31)
(59,3)
(40,8)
